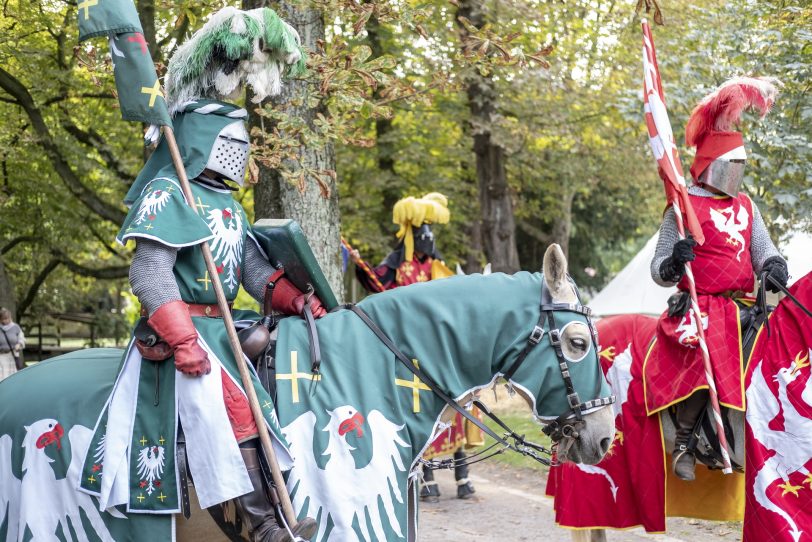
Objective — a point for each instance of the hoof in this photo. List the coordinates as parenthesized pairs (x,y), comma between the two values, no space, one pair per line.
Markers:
(430,492)
(465,491)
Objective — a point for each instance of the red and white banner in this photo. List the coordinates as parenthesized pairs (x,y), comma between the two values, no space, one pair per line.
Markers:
(779,426)
(661,137)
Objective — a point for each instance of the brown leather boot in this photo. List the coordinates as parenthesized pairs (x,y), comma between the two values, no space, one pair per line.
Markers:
(688,411)
(257,510)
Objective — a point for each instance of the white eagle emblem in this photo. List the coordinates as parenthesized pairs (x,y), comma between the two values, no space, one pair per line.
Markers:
(150,467)
(791,445)
(340,490)
(40,502)
(731,225)
(227,245)
(689,334)
(151,205)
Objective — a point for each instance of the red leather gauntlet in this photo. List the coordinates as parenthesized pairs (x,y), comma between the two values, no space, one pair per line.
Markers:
(288,299)
(174,325)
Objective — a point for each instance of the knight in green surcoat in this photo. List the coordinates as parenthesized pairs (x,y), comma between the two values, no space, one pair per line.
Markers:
(187,386)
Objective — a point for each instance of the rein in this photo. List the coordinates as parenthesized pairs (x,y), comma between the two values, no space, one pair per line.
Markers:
(563,430)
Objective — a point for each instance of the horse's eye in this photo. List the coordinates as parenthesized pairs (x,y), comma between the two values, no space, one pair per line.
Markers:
(578,343)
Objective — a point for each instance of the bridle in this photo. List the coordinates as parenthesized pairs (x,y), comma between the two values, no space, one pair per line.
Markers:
(563,431)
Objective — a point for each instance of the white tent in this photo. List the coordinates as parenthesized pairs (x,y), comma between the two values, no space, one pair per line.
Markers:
(634,291)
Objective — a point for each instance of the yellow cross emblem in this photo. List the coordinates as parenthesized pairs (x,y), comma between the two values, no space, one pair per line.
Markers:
(86,5)
(295,375)
(141,497)
(153,91)
(143,440)
(200,205)
(206,281)
(149,227)
(91,479)
(161,440)
(162,496)
(416,386)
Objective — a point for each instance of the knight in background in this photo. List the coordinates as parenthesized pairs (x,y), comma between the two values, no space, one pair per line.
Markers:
(186,388)
(737,247)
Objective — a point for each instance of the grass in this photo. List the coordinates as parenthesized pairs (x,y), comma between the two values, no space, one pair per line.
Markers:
(521,423)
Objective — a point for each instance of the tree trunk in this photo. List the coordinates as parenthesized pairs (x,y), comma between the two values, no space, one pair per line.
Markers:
(562,225)
(7,298)
(384,144)
(274,196)
(498,227)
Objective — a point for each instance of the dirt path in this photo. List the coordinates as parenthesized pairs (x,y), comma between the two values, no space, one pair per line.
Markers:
(511,505)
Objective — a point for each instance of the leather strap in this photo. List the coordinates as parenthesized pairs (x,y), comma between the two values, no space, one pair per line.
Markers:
(267,301)
(183,470)
(199,309)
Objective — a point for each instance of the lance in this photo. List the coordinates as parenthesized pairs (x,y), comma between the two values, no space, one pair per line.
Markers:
(666,153)
(364,266)
(233,340)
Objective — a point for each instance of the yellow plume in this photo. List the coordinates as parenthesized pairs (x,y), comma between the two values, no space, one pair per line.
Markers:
(414,212)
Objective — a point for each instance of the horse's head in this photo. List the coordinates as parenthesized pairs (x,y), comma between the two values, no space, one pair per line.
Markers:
(561,377)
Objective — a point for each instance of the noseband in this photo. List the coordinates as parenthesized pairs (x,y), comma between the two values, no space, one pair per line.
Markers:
(563,431)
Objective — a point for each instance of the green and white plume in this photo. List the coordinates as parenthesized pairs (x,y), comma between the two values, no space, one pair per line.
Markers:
(234,48)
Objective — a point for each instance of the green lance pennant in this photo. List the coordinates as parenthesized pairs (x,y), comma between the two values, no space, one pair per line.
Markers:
(139,91)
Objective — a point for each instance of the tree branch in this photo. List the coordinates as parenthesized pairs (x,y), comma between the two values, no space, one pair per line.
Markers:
(93,140)
(84,194)
(22,307)
(17,240)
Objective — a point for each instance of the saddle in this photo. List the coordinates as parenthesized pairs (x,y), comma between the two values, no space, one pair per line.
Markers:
(704,443)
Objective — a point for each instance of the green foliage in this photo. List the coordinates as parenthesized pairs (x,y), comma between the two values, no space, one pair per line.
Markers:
(388,87)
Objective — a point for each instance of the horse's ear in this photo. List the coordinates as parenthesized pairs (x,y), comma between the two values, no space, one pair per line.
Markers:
(555,274)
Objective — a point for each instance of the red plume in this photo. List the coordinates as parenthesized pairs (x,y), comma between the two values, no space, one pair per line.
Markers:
(721,110)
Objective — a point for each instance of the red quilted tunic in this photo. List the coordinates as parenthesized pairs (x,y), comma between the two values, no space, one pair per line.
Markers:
(674,368)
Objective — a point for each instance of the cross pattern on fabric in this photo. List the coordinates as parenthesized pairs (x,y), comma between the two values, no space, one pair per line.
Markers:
(295,375)
(416,385)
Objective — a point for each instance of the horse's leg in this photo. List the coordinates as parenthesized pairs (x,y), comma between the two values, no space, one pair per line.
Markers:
(589,535)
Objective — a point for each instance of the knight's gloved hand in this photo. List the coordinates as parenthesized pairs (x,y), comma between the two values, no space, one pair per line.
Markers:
(173,323)
(289,299)
(776,269)
(679,304)
(673,268)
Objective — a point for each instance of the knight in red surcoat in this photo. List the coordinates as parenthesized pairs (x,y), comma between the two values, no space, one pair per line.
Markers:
(737,247)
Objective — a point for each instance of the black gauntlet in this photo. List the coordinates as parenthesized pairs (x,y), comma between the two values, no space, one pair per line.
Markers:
(776,269)
(673,268)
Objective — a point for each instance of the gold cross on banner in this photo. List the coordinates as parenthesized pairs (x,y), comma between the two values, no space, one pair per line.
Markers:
(206,281)
(201,206)
(86,5)
(161,440)
(143,440)
(162,496)
(141,497)
(153,91)
(416,384)
(91,479)
(295,375)
(149,227)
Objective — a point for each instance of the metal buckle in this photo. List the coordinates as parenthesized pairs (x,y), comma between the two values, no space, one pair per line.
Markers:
(536,335)
(555,337)
(574,401)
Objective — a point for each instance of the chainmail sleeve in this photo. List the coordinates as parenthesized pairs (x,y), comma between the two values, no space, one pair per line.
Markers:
(256,271)
(761,246)
(665,246)
(151,276)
